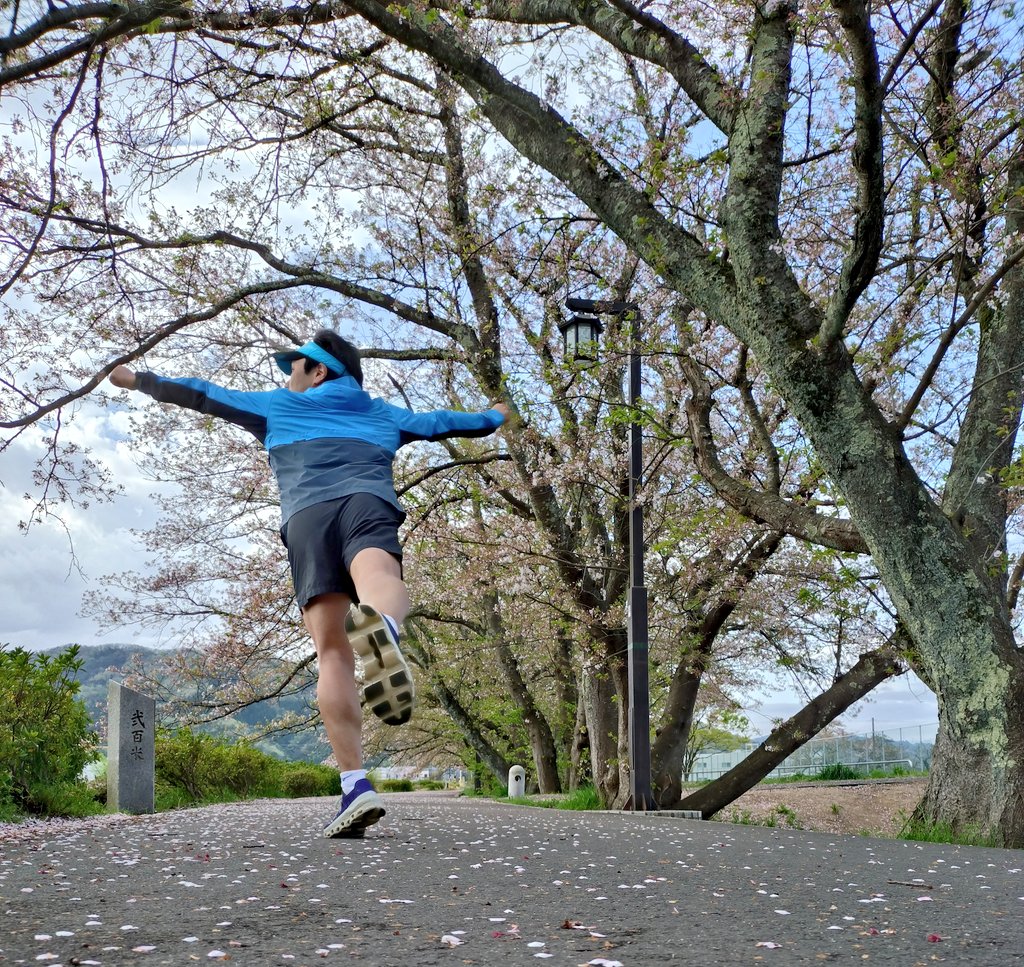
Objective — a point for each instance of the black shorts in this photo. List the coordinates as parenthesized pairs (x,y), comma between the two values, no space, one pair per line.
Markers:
(322,540)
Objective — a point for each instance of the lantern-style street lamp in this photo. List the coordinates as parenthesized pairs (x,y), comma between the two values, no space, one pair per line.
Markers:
(573,333)
(580,335)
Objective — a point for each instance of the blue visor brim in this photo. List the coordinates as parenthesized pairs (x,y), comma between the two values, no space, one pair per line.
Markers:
(312,351)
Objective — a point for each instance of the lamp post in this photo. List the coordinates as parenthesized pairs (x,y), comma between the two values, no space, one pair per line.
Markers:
(575,333)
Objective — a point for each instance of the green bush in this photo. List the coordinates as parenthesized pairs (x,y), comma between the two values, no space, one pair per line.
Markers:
(299,779)
(45,735)
(196,767)
(205,767)
(393,785)
(838,770)
(431,785)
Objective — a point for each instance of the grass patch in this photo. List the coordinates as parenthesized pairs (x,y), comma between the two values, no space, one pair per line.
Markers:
(583,799)
(782,780)
(927,831)
(780,816)
(839,771)
(897,773)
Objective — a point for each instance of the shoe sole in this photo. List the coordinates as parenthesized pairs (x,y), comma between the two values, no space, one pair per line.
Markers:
(387,682)
(350,833)
(354,825)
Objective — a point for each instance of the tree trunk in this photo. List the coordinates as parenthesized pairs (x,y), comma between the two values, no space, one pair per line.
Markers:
(972,790)
(566,721)
(542,742)
(872,668)
(579,750)
(706,622)
(471,733)
(669,746)
(600,708)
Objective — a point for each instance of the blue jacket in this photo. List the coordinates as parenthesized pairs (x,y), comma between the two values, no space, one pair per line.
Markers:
(330,441)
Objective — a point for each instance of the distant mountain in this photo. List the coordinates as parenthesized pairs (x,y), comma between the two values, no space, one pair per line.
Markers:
(104,662)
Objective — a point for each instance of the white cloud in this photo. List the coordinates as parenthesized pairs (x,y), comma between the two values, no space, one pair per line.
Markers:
(897,703)
(46,570)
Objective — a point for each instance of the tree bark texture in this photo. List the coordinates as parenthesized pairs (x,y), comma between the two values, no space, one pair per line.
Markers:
(601,706)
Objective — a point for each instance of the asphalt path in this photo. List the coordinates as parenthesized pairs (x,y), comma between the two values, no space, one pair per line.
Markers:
(456,881)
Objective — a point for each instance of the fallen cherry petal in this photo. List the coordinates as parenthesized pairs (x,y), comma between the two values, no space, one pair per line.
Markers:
(451,941)
(768,944)
(934,938)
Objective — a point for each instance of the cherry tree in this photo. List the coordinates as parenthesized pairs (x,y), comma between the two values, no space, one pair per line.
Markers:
(872,326)
(888,320)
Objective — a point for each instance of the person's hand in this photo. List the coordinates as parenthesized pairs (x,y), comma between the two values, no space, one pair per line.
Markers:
(503,410)
(123,377)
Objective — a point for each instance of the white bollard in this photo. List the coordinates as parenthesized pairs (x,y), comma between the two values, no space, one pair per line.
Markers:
(516,782)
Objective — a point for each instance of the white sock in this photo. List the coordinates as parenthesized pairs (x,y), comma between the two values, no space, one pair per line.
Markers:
(349,778)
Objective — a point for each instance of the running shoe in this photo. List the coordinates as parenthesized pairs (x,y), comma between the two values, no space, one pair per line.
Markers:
(359,808)
(387,682)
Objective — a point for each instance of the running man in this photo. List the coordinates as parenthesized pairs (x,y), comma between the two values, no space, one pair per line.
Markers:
(331,446)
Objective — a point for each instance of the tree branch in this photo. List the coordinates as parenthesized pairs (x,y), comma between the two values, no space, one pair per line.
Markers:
(869,671)
(861,261)
(770,509)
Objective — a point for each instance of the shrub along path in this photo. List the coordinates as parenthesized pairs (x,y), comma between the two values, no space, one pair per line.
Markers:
(444,881)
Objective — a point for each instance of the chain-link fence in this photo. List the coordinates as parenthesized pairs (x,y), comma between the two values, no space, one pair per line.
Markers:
(909,748)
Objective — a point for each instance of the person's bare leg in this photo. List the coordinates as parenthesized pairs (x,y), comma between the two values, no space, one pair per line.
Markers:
(388,687)
(378,580)
(324,617)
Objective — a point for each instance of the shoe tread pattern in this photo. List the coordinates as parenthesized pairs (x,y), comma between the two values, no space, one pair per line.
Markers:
(387,682)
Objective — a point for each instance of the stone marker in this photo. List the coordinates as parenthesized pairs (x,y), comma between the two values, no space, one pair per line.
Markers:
(516,782)
(131,754)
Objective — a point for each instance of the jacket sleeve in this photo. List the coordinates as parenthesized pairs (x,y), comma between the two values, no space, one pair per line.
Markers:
(442,424)
(247,410)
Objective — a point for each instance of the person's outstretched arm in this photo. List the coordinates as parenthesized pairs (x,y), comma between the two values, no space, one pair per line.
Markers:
(247,410)
(442,424)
